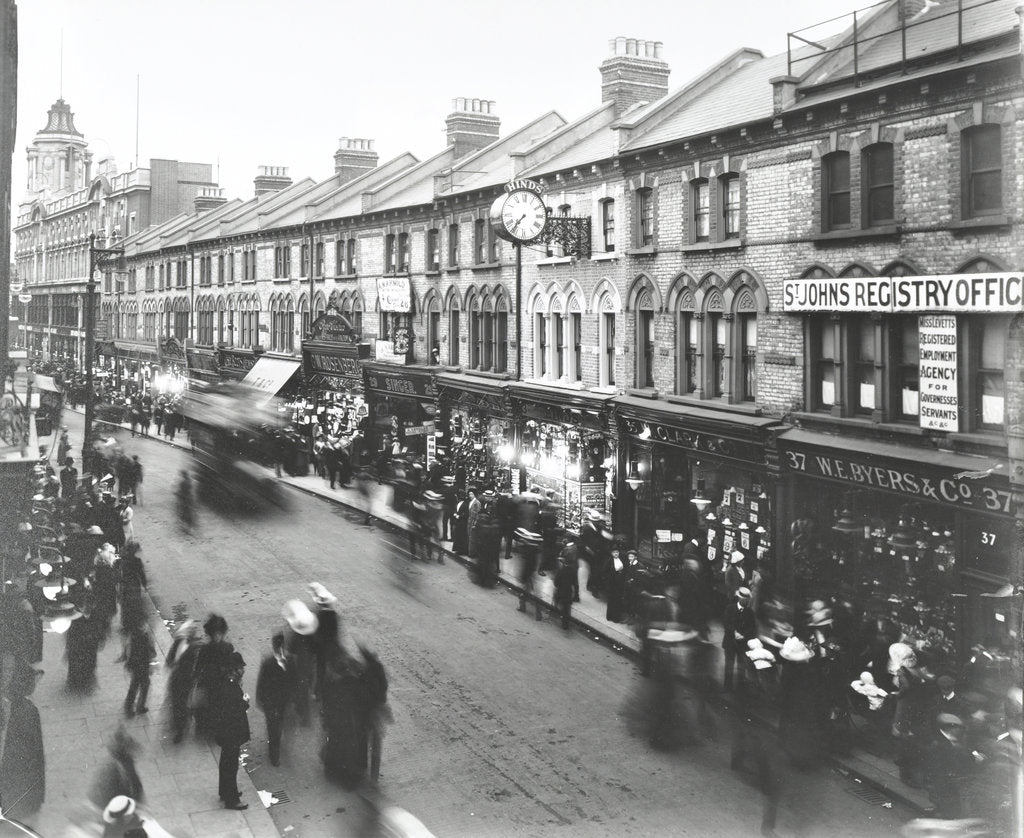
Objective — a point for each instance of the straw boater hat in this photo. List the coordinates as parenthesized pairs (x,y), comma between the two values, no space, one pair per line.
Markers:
(528,537)
(299,618)
(432,497)
(743,593)
(448,480)
(119,809)
(594,515)
(322,597)
(736,557)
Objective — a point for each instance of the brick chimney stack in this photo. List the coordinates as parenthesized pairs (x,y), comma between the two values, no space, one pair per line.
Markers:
(472,125)
(209,197)
(353,158)
(633,72)
(271,179)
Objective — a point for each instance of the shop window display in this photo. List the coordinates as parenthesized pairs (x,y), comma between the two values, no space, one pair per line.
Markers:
(570,462)
(480,445)
(898,563)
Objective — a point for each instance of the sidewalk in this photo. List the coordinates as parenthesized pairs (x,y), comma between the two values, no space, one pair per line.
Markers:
(588,615)
(180,781)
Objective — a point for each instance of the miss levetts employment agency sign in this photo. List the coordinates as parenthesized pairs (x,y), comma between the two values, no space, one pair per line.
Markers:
(994,292)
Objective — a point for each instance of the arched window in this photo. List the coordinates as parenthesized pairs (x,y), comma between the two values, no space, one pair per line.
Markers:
(476,332)
(644,308)
(607,340)
(454,330)
(432,317)
(687,343)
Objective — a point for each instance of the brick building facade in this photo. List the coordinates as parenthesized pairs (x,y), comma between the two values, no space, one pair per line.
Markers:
(669,374)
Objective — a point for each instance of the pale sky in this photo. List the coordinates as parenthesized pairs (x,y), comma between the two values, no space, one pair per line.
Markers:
(255,82)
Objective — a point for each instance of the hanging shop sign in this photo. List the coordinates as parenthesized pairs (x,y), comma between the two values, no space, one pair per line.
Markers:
(938,406)
(917,482)
(994,292)
(394,294)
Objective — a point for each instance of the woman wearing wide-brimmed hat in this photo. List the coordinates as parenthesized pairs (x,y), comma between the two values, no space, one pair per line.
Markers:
(300,645)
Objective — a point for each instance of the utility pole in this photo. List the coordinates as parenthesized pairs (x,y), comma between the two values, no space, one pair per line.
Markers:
(99,257)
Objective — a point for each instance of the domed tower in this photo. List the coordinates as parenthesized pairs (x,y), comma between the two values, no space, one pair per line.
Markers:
(58,159)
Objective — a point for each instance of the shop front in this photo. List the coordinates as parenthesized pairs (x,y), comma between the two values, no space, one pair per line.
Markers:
(402,403)
(136,365)
(565,447)
(172,379)
(203,366)
(234,364)
(689,472)
(475,431)
(922,537)
(332,397)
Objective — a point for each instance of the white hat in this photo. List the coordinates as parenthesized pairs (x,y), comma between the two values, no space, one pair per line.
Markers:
(736,556)
(594,515)
(299,617)
(795,650)
(119,809)
(322,596)
(823,617)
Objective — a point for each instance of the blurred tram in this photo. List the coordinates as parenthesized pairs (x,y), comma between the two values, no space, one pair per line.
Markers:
(232,431)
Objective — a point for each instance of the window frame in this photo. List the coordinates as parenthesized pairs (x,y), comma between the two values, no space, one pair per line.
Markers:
(608,224)
(832,187)
(729,208)
(700,209)
(870,187)
(644,226)
(969,137)
(432,250)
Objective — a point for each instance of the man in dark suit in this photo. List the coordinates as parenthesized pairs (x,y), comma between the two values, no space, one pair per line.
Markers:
(232,732)
(275,687)
(949,764)
(740,627)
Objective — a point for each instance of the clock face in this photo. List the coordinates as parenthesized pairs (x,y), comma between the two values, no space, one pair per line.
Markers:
(523,215)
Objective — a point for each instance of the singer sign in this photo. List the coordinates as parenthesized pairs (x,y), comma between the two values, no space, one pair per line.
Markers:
(995,292)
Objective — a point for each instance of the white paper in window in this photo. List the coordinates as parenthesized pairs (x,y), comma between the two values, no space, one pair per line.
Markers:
(992,410)
(867,396)
(910,407)
(828,392)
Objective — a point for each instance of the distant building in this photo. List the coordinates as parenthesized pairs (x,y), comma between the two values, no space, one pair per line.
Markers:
(66,199)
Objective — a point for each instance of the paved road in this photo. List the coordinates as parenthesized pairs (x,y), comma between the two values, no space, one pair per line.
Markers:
(504,726)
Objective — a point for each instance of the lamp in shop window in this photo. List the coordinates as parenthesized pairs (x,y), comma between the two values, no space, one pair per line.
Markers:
(847,522)
(903,538)
(700,499)
(633,479)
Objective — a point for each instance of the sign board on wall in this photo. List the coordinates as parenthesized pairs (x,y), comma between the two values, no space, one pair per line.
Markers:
(938,402)
(995,292)
(393,293)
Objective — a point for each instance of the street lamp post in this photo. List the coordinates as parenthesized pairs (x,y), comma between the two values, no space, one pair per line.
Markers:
(98,257)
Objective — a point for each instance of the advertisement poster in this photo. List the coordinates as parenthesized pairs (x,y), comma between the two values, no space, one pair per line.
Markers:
(938,404)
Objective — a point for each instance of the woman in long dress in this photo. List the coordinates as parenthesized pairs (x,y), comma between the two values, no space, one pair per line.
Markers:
(343,708)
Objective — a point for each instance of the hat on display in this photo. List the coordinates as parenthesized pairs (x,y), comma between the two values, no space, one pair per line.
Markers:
(822,617)
(321,596)
(736,557)
(118,809)
(299,618)
(527,536)
(795,651)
